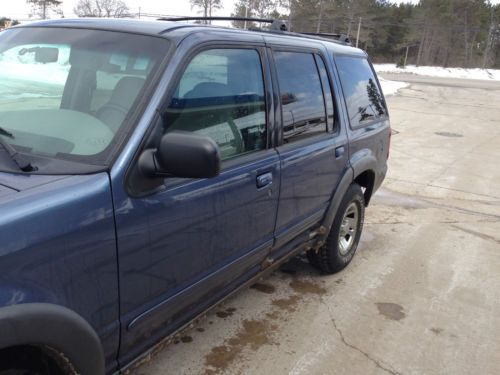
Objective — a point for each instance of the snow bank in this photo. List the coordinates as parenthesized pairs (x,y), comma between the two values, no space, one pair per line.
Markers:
(436,71)
(391,87)
(18,66)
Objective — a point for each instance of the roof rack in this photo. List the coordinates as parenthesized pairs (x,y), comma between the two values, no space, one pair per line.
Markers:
(277,26)
(340,37)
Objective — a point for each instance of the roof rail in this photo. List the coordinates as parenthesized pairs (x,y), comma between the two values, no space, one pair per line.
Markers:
(340,37)
(275,24)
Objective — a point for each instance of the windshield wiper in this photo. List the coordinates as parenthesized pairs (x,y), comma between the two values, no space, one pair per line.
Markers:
(6,133)
(17,158)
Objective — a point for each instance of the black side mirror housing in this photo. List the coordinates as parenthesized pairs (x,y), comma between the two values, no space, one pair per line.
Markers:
(182,154)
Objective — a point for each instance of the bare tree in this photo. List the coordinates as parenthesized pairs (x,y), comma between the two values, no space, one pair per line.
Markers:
(206,6)
(101,8)
(42,7)
(263,8)
(490,40)
(288,6)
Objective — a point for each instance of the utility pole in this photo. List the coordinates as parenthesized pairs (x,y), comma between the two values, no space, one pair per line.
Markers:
(318,26)
(44,9)
(359,30)
(406,56)
(247,5)
(139,12)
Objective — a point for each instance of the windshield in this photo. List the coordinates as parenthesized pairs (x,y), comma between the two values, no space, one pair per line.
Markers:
(69,93)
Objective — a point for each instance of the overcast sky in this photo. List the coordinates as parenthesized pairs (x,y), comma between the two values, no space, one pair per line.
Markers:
(18,9)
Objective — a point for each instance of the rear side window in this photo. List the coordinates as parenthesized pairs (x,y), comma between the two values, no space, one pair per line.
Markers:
(301,95)
(221,95)
(362,94)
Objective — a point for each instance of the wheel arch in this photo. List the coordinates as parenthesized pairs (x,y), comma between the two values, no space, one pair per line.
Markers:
(54,326)
(364,167)
(362,172)
(366,180)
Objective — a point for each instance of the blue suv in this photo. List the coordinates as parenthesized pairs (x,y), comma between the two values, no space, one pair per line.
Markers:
(149,169)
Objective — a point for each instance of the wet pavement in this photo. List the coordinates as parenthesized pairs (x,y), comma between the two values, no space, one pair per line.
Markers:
(421,296)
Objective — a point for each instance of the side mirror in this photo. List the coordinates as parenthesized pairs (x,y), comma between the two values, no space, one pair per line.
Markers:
(182,154)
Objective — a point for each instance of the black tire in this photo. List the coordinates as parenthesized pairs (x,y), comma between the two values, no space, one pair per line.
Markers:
(332,257)
(27,361)
(312,258)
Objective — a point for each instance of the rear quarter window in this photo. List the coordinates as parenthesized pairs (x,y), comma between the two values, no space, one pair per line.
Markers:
(361,91)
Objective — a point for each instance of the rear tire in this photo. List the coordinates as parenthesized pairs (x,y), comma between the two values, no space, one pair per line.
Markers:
(343,239)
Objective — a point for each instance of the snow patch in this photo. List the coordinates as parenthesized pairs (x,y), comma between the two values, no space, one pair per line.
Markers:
(436,71)
(391,87)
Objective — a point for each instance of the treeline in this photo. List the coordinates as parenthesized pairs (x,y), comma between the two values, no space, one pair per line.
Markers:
(459,33)
(7,22)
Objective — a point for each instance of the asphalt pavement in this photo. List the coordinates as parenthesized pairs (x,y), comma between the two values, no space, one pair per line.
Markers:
(421,296)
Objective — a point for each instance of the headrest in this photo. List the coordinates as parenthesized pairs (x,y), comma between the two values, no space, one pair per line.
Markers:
(86,59)
(126,91)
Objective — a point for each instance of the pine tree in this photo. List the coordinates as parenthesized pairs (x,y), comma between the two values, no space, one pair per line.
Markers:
(42,7)
(436,32)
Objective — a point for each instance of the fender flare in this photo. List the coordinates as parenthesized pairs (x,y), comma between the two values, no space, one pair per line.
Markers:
(363,164)
(57,327)
(358,166)
(337,196)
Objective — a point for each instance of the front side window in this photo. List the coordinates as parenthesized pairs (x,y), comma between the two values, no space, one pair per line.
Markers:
(67,93)
(301,95)
(362,94)
(221,95)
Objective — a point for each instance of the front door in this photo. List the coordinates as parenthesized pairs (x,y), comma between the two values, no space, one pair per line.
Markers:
(184,247)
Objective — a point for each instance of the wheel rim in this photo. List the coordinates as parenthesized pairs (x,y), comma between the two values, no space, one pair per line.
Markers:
(348,228)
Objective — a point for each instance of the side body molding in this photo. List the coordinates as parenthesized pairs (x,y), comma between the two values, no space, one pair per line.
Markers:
(54,326)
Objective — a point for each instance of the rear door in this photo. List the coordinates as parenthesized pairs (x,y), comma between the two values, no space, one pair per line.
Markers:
(312,144)
(187,245)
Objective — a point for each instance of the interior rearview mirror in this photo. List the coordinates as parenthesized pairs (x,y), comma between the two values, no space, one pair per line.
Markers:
(43,55)
(46,55)
(182,154)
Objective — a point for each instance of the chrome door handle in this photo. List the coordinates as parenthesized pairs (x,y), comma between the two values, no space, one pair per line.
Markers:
(264,180)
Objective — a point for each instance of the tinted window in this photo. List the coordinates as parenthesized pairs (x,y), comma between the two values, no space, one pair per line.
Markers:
(364,101)
(327,89)
(301,95)
(221,95)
